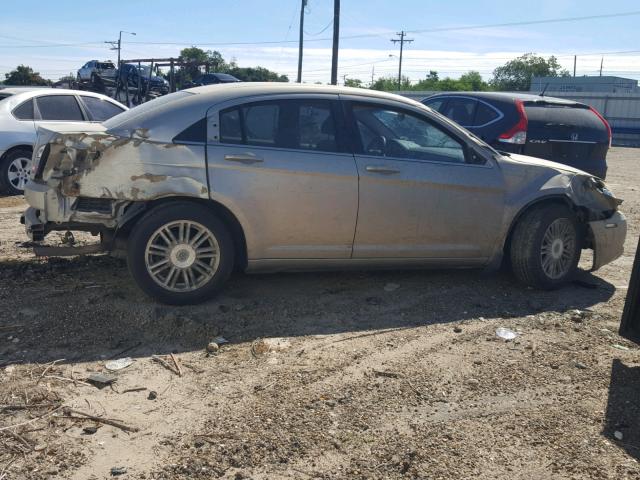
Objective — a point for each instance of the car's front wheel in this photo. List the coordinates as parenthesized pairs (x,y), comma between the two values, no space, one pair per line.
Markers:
(546,246)
(14,171)
(180,253)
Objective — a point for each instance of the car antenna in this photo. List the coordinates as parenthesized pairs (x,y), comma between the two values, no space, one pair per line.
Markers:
(544,89)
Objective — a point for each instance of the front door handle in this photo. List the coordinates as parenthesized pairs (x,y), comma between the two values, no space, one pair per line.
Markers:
(247,159)
(381,170)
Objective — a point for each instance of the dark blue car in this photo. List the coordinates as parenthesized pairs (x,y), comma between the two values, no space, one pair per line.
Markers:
(555,129)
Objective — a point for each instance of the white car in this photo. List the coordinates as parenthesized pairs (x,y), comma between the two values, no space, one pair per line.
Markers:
(22,112)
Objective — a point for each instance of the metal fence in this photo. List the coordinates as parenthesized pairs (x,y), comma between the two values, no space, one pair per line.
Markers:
(622,111)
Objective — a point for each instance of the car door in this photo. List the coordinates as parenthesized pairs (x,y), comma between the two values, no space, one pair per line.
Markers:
(281,165)
(424,193)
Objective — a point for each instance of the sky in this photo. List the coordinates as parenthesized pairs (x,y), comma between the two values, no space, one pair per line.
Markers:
(57,37)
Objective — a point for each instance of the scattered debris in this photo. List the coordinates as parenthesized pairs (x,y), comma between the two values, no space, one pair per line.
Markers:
(177,365)
(620,347)
(119,364)
(457,329)
(266,345)
(618,435)
(213,347)
(135,389)
(506,334)
(581,366)
(166,364)
(115,471)
(101,380)
(388,374)
(107,421)
(220,340)
(90,430)
(391,287)
(152,395)
(472,382)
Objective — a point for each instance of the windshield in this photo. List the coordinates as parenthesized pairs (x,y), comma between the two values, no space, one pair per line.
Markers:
(144,70)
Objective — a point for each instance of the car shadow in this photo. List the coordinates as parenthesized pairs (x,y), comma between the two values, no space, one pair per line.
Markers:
(88,309)
(622,417)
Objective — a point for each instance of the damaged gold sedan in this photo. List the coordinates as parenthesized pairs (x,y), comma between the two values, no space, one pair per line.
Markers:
(272,177)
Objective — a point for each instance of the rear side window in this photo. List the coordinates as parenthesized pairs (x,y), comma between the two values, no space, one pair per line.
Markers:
(24,111)
(59,107)
(435,103)
(485,114)
(295,124)
(100,109)
(461,110)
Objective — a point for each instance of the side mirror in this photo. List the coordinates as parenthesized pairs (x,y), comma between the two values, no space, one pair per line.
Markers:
(475,158)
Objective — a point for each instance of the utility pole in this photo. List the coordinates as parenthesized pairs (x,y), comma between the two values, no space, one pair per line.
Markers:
(302,7)
(336,38)
(344,78)
(575,61)
(402,41)
(601,62)
(373,74)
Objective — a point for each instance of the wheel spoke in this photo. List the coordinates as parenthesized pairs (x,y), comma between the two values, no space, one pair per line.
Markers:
(159,266)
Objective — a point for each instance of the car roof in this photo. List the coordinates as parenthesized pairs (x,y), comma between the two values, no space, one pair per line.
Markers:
(15,90)
(507,96)
(16,99)
(228,91)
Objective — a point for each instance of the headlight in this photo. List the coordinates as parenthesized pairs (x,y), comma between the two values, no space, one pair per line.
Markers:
(598,185)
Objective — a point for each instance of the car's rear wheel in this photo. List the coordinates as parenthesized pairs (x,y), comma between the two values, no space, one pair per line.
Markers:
(546,246)
(14,171)
(180,254)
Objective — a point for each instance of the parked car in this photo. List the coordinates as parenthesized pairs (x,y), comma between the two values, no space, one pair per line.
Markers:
(141,75)
(6,92)
(24,111)
(211,79)
(270,177)
(97,72)
(545,127)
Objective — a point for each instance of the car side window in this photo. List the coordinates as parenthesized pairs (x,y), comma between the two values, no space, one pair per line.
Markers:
(395,133)
(100,109)
(461,110)
(24,111)
(485,114)
(435,103)
(294,124)
(59,107)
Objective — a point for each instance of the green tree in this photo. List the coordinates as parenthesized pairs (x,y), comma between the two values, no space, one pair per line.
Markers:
(255,74)
(516,74)
(470,81)
(353,82)
(24,75)
(390,84)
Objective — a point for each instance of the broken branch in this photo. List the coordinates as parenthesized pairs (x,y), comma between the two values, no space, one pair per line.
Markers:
(175,361)
(106,421)
(164,363)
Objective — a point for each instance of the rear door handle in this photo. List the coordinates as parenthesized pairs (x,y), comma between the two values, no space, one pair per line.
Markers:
(247,159)
(381,170)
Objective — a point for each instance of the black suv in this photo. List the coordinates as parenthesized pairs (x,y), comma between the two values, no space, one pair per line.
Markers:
(545,127)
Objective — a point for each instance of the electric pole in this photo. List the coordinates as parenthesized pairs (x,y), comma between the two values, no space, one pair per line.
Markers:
(601,62)
(302,7)
(373,74)
(402,41)
(575,61)
(117,45)
(336,38)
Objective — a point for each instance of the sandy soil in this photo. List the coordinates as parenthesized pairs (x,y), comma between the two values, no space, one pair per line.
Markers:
(325,376)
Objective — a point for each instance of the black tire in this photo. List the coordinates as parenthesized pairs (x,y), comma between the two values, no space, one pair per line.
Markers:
(6,186)
(527,243)
(163,215)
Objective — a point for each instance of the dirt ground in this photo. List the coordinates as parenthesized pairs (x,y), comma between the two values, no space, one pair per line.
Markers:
(381,375)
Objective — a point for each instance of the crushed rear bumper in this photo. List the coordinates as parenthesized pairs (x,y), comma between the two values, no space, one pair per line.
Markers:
(608,239)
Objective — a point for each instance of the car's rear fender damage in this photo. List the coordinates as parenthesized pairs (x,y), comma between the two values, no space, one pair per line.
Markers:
(98,179)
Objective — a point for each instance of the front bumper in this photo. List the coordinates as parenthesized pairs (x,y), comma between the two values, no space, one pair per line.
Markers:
(608,239)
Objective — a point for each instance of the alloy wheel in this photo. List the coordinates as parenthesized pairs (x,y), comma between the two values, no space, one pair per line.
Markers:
(182,256)
(558,248)
(18,172)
